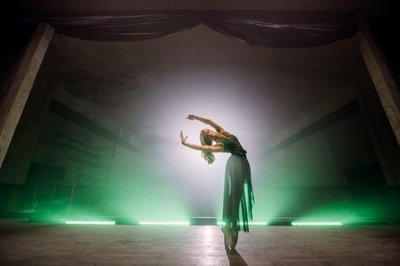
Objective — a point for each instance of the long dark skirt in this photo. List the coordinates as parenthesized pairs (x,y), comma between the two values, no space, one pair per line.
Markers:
(238,193)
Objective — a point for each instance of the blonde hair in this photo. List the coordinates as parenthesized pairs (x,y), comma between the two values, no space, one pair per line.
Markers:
(208,156)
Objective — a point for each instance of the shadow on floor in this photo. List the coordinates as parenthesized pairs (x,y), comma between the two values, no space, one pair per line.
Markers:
(235,258)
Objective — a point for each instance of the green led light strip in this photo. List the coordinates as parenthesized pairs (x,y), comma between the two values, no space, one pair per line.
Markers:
(91,222)
(163,223)
(250,223)
(317,223)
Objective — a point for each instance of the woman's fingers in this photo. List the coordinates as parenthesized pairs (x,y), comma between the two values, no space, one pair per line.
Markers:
(183,139)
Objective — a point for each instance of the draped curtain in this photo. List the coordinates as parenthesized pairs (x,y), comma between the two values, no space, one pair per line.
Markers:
(291,29)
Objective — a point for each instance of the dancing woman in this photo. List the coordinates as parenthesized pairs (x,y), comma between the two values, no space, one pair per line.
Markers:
(238,191)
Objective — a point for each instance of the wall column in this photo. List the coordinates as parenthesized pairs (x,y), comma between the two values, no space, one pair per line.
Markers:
(19,85)
(384,83)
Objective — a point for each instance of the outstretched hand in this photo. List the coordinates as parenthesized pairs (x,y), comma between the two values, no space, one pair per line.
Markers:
(191,117)
(183,138)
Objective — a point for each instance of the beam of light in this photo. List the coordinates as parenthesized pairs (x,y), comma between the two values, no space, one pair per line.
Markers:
(163,223)
(91,222)
(241,223)
(316,223)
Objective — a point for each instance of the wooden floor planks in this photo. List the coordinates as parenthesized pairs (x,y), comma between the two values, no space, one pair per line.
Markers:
(40,244)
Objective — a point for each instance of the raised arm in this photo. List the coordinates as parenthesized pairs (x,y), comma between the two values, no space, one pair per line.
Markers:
(213,148)
(207,121)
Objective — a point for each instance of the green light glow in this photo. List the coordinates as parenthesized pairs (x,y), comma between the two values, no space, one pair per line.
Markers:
(163,223)
(91,222)
(317,223)
(258,223)
(250,223)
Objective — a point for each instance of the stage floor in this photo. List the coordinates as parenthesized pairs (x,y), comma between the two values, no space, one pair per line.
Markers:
(44,244)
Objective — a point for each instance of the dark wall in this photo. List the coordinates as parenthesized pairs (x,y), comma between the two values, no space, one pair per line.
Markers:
(14,41)
(382,18)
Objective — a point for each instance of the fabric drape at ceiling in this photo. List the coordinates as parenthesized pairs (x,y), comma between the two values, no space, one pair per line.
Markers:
(273,29)
(289,30)
(134,27)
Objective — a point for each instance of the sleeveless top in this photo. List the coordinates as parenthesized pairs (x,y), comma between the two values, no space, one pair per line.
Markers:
(232,145)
